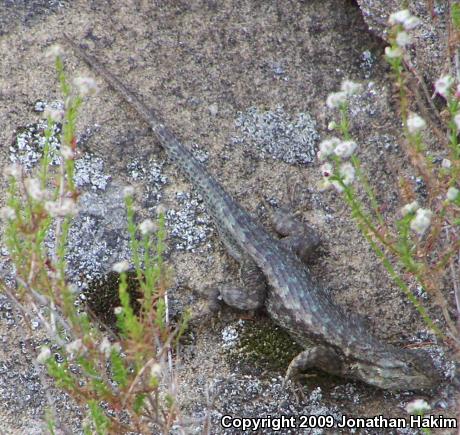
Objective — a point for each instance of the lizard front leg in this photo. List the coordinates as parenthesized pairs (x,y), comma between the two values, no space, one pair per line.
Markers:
(248,293)
(251,294)
(298,237)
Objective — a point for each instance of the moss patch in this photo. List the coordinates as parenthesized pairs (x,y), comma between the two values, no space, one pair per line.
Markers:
(265,345)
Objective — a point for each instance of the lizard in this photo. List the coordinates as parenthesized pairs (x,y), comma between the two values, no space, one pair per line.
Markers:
(335,341)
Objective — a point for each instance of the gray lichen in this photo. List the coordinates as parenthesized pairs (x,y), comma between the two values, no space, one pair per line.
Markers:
(276,134)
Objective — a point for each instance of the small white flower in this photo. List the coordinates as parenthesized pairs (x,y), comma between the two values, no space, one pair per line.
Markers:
(403,39)
(415,123)
(44,354)
(442,85)
(54,51)
(347,172)
(155,370)
(446,163)
(118,310)
(13,170)
(213,109)
(128,191)
(350,87)
(67,207)
(345,149)
(332,126)
(67,152)
(121,266)
(393,53)
(410,208)
(399,17)
(417,406)
(324,184)
(326,170)
(160,209)
(327,147)
(7,213)
(452,193)
(74,346)
(56,115)
(52,208)
(34,189)
(411,23)
(105,347)
(336,99)
(457,120)
(85,85)
(147,227)
(337,186)
(421,221)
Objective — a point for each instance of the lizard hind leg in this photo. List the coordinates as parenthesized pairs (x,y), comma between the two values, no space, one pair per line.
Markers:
(317,357)
(298,237)
(251,294)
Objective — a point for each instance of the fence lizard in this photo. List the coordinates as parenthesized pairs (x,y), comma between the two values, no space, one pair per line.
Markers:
(278,279)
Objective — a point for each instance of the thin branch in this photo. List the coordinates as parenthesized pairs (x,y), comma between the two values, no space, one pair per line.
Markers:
(455,277)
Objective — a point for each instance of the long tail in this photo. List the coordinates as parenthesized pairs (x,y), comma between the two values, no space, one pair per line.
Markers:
(147,113)
(211,191)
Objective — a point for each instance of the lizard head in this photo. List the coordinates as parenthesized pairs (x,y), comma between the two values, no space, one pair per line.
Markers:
(398,369)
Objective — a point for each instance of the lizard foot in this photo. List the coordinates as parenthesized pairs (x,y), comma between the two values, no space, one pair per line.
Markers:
(322,358)
(251,294)
(206,309)
(241,298)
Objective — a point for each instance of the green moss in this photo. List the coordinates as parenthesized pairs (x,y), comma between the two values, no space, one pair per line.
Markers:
(266,346)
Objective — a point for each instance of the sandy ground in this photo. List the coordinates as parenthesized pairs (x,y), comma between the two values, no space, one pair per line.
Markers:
(244,84)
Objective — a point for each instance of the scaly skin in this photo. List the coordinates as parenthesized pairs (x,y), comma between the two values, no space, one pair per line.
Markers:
(342,344)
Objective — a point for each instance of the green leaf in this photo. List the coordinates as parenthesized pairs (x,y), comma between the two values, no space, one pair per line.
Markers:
(119,372)
(455,14)
(87,365)
(139,402)
(61,374)
(50,423)
(100,388)
(169,401)
(100,420)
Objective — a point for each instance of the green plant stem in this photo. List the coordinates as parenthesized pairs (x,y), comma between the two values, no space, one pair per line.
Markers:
(394,275)
(357,212)
(365,225)
(368,189)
